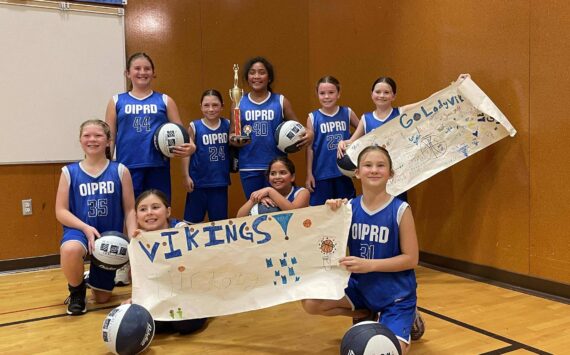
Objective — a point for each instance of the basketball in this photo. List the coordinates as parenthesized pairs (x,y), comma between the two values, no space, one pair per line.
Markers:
(346,166)
(110,251)
(260,208)
(367,338)
(168,136)
(287,135)
(128,329)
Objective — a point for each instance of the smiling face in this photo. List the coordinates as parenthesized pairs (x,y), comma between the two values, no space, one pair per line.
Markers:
(258,77)
(383,95)
(211,107)
(374,168)
(93,139)
(140,72)
(280,178)
(152,213)
(328,95)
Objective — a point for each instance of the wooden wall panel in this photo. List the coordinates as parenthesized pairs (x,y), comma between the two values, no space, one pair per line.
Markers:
(38,234)
(549,168)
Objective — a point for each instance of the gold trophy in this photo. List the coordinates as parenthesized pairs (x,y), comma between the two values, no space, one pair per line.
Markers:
(236,93)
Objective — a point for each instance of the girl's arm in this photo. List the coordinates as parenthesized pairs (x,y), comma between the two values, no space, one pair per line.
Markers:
(289,114)
(111,119)
(354,121)
(186,178)
(129,202)
(244,210)
(407,260)
(184,150)
(310,180)
(342,145)
(65,217)
(300,201)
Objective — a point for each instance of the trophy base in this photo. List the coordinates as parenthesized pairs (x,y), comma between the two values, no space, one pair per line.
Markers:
(241,139)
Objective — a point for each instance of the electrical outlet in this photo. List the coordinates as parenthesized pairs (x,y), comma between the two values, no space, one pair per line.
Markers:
(27,207)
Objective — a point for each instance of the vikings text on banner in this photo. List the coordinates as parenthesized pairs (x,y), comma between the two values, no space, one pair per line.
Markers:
(241,264)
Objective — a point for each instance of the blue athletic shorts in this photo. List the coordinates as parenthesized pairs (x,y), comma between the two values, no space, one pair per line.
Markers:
(151,178)
(338,187)
(99,279)
(213,200)
(252,180)
(397,316)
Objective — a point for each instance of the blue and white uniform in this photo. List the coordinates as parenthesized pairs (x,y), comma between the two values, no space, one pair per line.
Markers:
(210,172)
(96,200)
(261,119)
(329,130)
(294,192)
(376,235)
(137,120)
(371,121)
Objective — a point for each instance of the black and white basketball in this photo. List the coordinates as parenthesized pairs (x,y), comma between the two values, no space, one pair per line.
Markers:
(128,329)
(287,135)
(346,166)
(110,251)
(260,208)
(168,136)
(369,338)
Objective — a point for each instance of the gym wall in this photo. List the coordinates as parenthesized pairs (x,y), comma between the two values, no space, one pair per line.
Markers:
(503,208)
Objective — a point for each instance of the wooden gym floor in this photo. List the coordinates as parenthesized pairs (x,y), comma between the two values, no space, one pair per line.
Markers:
(462,317)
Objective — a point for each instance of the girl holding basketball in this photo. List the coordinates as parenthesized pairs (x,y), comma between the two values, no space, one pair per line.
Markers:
(209,168)
(282,192)
(152,214)
(133,117)
(261,111)
(94,196)
(383,253)
(330,124)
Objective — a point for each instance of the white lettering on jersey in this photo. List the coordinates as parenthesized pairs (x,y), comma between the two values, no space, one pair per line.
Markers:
(327,127)
(92,188)
(373,233)
(138,109)
(259,115)
(214,138)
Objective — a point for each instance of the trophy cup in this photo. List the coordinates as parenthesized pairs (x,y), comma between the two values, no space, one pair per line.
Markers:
(236,93)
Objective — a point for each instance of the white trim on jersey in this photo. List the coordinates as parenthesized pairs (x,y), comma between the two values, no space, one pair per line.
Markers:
(331,115)
(100,171)
(401,211)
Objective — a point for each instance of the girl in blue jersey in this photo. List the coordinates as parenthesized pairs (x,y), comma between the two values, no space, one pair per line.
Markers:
(383,94)
(383,253)
(209,170)
(94,196)
(330,124)
(261,111)
(133,117)
(152,214)
(282,192)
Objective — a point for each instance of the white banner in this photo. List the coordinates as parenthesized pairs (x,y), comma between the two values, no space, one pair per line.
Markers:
(437,133)
(242,264)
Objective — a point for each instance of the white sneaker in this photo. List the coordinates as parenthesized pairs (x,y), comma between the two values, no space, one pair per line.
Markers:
(123,275)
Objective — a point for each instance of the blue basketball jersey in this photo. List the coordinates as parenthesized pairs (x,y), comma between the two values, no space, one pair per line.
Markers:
(371,122)
(262,120)
(376,235)
(97,200)
(209,165)
(137,120)
(294,192)
(329,130)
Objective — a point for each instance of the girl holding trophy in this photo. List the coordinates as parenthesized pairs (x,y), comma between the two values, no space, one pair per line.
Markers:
(255,117)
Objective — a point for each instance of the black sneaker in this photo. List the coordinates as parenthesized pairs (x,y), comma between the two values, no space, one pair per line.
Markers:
(76,304)
(418,328)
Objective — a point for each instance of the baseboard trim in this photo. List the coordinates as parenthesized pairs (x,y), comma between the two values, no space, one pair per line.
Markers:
(29,263)
(528,284)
